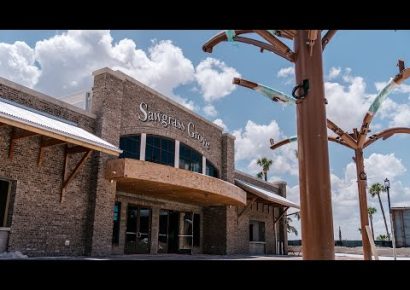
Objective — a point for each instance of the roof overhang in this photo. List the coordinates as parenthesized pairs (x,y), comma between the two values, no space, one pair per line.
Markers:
(166,182)
(264,194)
(28,119)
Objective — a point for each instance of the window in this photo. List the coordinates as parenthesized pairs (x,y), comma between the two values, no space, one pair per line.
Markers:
(116,228)
(130,146)
(160,150)
(4,197)
(190,159)
(256,231)
(211,169)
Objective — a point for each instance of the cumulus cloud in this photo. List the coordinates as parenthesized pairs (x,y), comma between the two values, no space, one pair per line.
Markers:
(210,110)
(286,72)
(221,123)
(62,64)
(253,142)
(397,114)
(334,72)
(215,79)
(347,98)
(17,63)
(345,195)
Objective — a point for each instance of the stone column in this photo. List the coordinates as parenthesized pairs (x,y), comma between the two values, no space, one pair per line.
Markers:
(107,105)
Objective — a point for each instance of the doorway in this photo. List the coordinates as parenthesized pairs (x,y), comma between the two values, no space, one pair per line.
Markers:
(137,235)
(168,231)
(4,201)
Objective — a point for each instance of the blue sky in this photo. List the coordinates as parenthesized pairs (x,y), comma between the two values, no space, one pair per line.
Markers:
(356,65)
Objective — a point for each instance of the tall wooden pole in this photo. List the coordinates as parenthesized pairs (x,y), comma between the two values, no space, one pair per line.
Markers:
(364,220)
(313,154)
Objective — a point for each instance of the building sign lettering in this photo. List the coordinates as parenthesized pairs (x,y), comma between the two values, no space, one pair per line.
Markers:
(170,121)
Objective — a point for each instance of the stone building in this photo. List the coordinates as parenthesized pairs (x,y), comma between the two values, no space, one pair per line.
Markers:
(136,173)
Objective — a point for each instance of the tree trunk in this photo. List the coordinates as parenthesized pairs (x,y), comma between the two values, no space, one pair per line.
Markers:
(384,216)
(371,225)
(266,175)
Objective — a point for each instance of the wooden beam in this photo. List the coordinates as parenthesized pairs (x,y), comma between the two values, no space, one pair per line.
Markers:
(74,172)
(16,136)
(328,36)
(77,149)
(64,171)
(281,215)
(247,207)
(50,142)
(372,245)
(44,144)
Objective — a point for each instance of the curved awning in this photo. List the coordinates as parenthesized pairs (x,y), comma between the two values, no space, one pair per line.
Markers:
(265,194)
(162,181)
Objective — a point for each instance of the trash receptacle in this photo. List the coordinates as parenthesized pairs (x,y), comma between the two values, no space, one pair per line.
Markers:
(4,239)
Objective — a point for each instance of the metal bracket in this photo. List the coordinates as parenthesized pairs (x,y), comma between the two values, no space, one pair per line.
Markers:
(304,86)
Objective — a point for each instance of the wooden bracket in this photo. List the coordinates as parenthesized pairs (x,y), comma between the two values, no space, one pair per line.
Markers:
(247,207)
(44,144)
(68,151)
(16,136)
(281,215)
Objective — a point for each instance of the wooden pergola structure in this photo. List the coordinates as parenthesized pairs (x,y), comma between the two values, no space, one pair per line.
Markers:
(314,178)
(357,140)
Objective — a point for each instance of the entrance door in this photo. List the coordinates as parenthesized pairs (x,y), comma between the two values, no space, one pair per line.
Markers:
(137,236)
(168,231)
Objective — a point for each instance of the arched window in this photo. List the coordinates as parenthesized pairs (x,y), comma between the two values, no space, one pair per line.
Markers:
(130,145)
(160,150)
(190,159)
(211,169)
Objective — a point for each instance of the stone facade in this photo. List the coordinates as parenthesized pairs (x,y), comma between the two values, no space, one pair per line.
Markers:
(83,223)
(40,224)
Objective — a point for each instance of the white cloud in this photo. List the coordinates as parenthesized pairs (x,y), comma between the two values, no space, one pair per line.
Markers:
(397,114)
(210,110)
(350,98)
(334,72)
(286,72)
(17,63)
(66,61)
(345,195)
(221,123)
(215,79)
(252,142)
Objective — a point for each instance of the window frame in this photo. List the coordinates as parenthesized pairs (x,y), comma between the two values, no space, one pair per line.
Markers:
(162,150)
(182,158)
(138,149)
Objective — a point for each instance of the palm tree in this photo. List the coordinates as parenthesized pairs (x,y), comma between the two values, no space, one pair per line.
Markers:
(375,189)
(290,228)
(371,211)
(265,163)
(382,238)
(259,175)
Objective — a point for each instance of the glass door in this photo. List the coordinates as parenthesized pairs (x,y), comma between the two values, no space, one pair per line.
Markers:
(137,235)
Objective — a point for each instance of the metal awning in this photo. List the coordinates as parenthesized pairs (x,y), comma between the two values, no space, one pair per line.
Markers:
(265,194)
(28,119)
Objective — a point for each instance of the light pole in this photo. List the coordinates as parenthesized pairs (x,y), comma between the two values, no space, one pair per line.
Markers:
(393,238)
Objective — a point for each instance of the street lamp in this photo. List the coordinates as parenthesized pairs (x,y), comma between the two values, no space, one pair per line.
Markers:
(393,238)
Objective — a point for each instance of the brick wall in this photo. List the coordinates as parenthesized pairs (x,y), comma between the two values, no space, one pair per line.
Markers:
(40,224)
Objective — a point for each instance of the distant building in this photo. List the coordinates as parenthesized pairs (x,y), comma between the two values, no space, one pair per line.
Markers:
(135,173)
(401,222)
